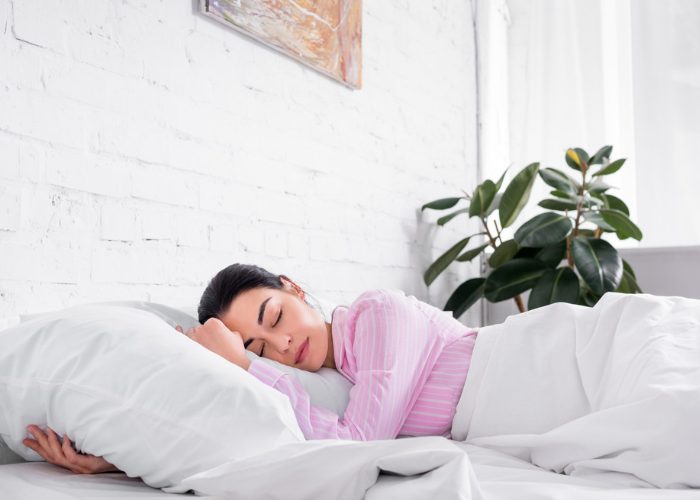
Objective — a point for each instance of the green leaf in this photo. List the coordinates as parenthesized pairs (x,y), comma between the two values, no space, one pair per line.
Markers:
(572,159)
(503,253)
(465,296)
(582,156)
(551,204)
(447,218)
(500,181)
(612,168)
(602,153)
(615,203)
(512,278)
(441,204)
(552,255)
(527,253)
(494,204)
(443,261)
(470,254)
(588,298)
(517,194)
(628,284)
(589,200)
(626,267)
(559,180)
(559,285)
(544,229)
(482,198)
(598,185)
(623,226)
(598,263)
(564,195)
(597,219)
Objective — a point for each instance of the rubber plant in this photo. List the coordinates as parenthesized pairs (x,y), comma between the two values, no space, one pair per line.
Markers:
(559,255)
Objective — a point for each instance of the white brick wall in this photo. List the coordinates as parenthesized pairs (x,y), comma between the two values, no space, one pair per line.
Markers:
(144,147)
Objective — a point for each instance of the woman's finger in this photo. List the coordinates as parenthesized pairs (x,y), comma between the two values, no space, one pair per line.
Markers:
(84,462)
(70,453)
(39,436)
(31,443)
(53,442)
(68,450)
(34,445)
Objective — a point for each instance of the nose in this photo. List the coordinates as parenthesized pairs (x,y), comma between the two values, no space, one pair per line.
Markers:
(282,342)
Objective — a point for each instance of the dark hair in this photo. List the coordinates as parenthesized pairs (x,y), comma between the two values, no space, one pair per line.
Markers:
(231,281)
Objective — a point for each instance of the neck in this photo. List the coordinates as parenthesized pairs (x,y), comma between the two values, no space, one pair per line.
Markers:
(329,362)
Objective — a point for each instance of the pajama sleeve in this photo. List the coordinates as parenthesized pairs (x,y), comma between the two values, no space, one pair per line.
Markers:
(392,337)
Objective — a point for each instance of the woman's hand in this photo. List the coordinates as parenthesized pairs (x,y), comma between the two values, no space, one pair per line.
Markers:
(62,454)
(216,337)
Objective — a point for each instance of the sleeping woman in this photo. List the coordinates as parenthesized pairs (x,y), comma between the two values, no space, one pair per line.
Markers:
(407,360)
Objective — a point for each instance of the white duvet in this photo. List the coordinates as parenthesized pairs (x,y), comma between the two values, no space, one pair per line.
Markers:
(610,393)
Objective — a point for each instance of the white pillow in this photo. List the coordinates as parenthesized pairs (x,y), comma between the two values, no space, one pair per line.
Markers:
(125,385)
(183,316)
(326,387)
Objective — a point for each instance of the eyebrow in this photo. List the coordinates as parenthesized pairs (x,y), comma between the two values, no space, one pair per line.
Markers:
(262,310)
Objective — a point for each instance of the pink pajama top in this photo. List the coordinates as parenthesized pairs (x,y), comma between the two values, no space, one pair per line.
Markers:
(407,360)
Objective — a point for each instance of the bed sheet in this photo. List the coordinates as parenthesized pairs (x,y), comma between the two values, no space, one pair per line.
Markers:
(40,480)
(500,477)
(504,477)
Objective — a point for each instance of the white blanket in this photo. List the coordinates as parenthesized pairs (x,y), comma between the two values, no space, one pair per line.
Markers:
(416,468)
(610,393)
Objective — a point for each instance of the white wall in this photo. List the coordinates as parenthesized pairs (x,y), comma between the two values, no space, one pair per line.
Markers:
(143,147)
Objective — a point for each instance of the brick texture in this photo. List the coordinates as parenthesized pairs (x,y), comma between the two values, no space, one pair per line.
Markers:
(143,147)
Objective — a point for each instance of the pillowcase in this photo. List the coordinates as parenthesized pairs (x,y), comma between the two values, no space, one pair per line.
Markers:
(326,387)
(126,386)
(183,316)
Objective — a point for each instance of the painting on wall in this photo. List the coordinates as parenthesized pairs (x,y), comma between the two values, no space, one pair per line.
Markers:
(323,34)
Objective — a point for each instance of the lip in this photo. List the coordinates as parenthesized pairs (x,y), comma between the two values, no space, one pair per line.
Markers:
(301,352)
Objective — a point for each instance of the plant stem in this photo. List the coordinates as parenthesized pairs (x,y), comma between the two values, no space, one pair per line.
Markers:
(518,299)
(498,231)
(579,211)
(579,205)
(488,233)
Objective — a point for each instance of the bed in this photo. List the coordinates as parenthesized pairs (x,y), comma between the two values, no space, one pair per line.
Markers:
(583,385)
(499,476)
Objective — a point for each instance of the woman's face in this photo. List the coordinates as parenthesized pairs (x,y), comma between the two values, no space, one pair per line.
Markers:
(280,326)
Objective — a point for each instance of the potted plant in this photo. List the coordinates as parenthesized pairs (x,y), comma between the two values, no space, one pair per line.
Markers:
(559,255)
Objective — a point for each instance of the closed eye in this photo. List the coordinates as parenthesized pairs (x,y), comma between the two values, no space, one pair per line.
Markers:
(278,319)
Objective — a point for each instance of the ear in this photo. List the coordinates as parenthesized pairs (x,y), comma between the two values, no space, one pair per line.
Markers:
(292,286)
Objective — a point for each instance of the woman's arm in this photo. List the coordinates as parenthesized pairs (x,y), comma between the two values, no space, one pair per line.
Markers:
(62,454)
(216,337)
(390,349)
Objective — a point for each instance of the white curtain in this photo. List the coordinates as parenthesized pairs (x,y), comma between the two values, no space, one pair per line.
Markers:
(588,73)
(666,64)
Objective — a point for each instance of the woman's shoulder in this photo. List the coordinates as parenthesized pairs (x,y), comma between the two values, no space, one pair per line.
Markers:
(378,298)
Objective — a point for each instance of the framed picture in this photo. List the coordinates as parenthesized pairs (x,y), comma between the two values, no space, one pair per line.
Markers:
(323,34)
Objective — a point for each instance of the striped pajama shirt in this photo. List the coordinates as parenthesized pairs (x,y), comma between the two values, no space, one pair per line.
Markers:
(407,360)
